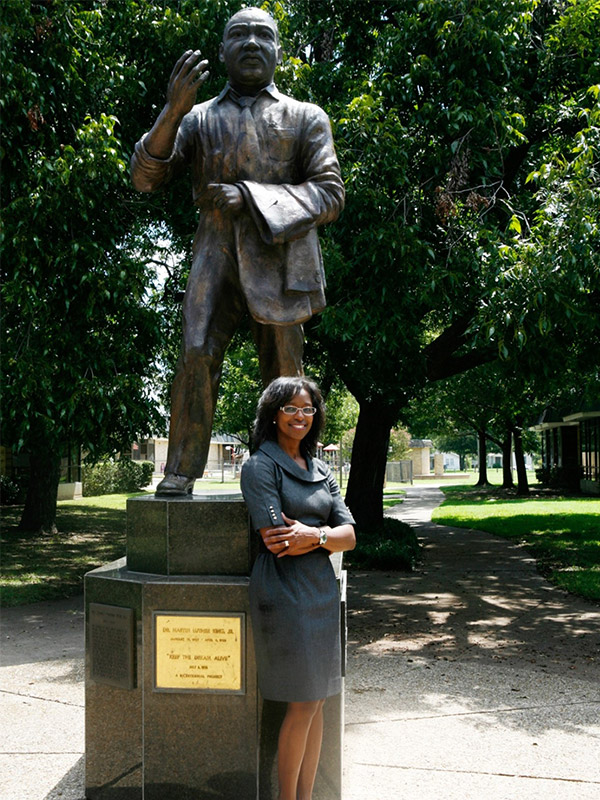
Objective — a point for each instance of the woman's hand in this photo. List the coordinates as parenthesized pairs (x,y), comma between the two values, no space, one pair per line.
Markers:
(277,540)
(303,538)
(293,539)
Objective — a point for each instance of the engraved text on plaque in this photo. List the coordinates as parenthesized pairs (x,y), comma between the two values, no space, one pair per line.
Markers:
(111,631)
(199,653)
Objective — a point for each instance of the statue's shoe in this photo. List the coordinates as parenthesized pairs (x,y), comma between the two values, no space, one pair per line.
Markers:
(173,484)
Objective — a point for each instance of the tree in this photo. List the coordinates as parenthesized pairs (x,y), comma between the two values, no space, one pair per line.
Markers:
(468,136)
(399,444)
(81,327)
(501,401)
(461,442)
(445,117)
(240,389)
(465,402)
(342,413)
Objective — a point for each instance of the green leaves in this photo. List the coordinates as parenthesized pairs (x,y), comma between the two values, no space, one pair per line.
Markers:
(81,335)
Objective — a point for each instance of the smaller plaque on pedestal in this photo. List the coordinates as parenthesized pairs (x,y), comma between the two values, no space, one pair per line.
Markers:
(111,645)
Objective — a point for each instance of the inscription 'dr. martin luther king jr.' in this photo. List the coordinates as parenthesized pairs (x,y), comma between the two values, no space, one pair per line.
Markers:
(199,653)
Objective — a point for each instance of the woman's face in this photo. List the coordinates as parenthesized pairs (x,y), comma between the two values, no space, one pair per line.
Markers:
(292,428)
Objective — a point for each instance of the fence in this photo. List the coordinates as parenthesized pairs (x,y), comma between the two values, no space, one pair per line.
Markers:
(399,471)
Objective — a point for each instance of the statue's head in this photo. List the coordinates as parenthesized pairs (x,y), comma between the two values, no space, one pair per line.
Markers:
(250,50)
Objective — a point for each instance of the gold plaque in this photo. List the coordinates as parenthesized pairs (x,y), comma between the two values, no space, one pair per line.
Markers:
(199,653)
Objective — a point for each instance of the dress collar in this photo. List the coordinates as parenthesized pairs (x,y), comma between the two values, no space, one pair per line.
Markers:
(229,91)
(313,474)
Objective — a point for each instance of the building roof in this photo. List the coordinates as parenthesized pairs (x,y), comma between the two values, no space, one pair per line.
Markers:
(223,438)
(557,418)
(415,444)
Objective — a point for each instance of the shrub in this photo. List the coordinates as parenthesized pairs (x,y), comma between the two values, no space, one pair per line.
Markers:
(128,476)
(559,477)
(116,477)
(97,478)
(11,492)
(147,472)
(394,545)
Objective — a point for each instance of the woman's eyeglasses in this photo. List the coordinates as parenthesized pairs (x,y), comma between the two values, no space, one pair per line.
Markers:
(308,411)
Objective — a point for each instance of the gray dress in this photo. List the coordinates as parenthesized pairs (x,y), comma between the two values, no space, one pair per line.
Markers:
(294,600)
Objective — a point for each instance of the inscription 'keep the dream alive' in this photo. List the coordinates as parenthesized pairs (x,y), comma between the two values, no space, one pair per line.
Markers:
(201,653)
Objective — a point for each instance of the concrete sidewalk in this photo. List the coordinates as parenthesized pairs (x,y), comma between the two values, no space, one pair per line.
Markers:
(469,678)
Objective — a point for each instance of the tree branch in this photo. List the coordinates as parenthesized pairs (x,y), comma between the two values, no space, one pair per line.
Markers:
(440,359)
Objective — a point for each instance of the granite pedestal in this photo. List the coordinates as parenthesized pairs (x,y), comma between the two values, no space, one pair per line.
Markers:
(155,738)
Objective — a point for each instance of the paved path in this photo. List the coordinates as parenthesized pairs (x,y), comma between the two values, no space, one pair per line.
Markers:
(469,679)
(42,701)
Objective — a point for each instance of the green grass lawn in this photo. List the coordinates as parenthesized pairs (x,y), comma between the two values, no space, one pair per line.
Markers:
(562,533)
(214,485)
(91,533)
(393,495)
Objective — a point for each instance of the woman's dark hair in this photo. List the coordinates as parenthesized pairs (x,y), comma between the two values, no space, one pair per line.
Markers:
(279,393)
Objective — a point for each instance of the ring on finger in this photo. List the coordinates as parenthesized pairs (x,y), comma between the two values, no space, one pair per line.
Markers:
(286,543)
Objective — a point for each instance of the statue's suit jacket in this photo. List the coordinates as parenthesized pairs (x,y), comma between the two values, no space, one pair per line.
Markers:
(291,183)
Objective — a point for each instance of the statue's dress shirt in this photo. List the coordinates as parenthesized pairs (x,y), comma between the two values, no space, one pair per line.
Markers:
(280,153)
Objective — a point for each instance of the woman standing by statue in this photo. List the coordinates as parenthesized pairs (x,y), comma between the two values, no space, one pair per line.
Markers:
(296,507)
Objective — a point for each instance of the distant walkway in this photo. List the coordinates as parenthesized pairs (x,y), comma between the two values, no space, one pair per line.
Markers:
(472,677)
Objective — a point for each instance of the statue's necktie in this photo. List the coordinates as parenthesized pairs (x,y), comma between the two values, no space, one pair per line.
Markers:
(248,147)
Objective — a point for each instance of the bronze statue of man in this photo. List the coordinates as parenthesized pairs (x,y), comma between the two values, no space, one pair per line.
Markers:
(265,176)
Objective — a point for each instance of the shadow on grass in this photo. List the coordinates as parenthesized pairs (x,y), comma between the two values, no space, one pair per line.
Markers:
(561,532)
(38,568)
(568,538)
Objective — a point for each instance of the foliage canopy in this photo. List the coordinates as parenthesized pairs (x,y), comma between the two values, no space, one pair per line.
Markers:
(82,330)
(468,135)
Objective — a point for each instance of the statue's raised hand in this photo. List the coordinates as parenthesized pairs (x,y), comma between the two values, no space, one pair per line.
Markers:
(189,73)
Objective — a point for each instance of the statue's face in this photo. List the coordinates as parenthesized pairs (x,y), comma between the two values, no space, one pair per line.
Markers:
(250,50)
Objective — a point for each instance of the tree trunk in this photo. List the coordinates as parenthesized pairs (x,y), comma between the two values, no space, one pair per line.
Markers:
(482,455)
(39,514)
(522,483)
(364,495)
(507,476)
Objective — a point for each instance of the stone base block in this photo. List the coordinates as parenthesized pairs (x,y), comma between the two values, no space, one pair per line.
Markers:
(146,744)
(154,738)
(191,535)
